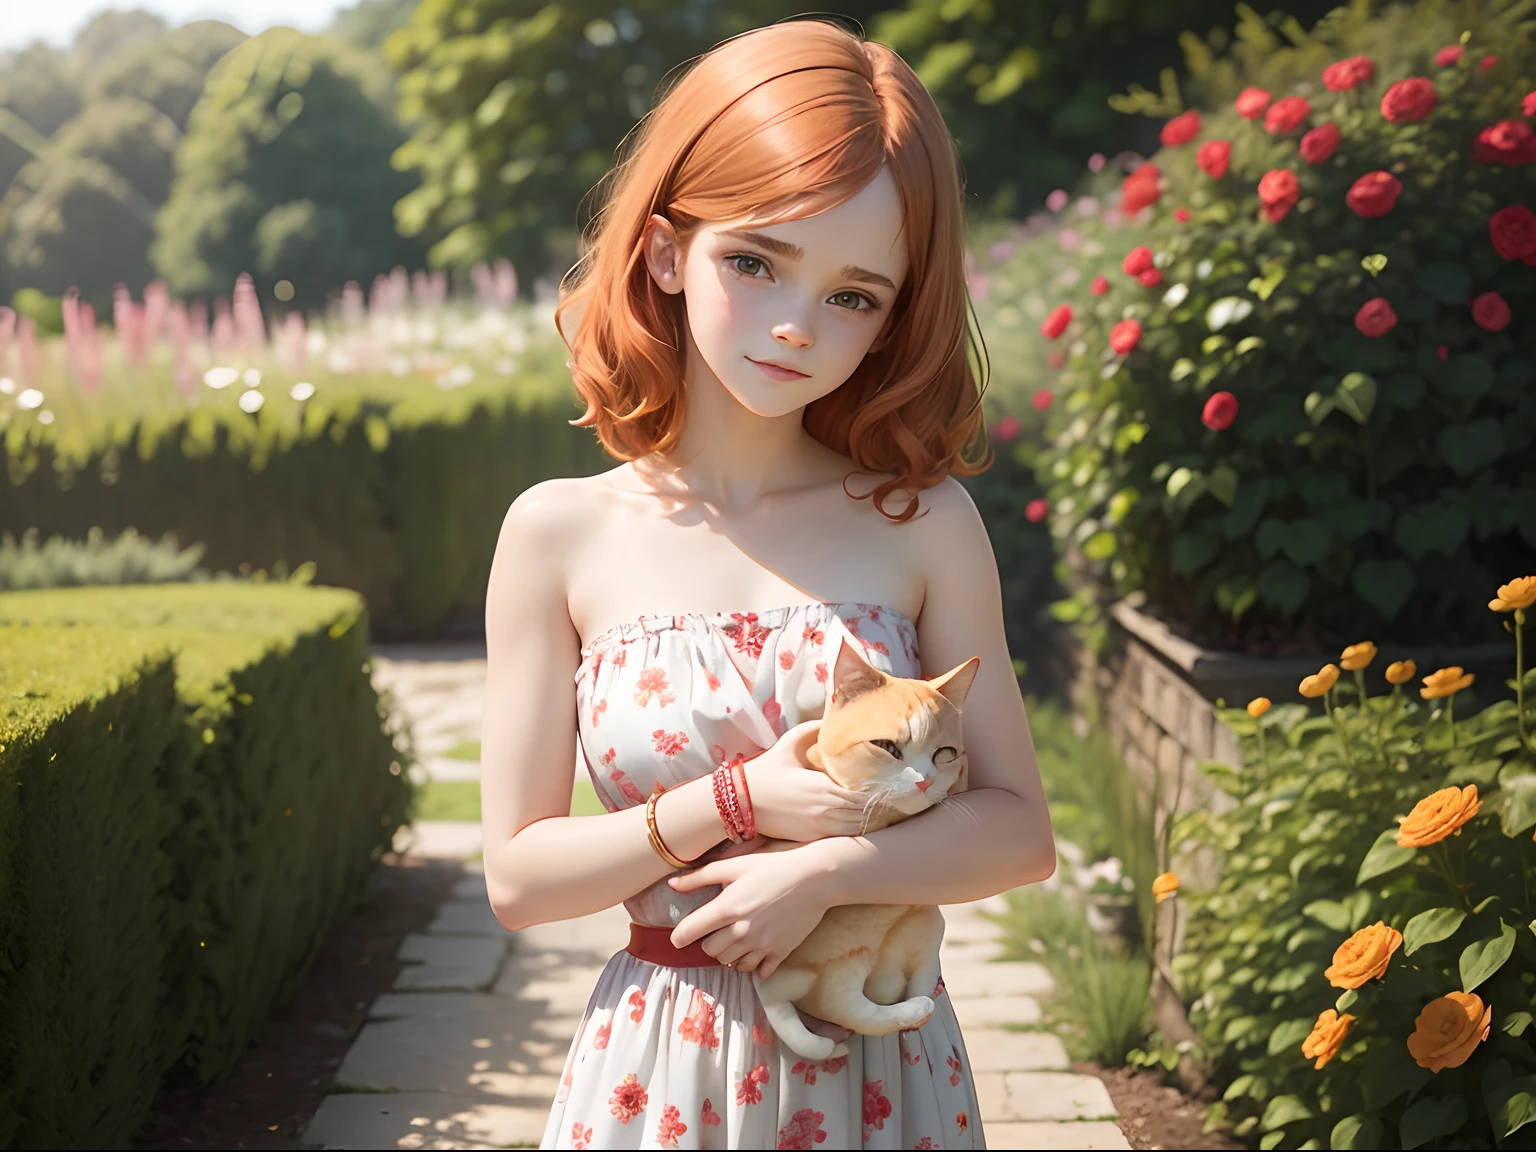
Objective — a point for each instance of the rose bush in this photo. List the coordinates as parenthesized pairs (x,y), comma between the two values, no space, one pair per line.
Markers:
(1334,279)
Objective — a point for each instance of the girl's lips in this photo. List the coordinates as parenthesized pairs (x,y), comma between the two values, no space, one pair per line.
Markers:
(774,372)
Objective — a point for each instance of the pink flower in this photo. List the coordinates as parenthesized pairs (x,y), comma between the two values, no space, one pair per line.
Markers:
(1374,194)
(1056,323)
(1219,412)
(1137,261)
(1507,142)
(1347,74)
(1042,399)
(1035,510)
(1486,63)
(1057,200)
(1099,286)
(1513,232)
(1409,101)
(1140,189)
(1286,115)
(1124,337)
(1151,278)
(1448,55)
(1181,129)
(1375,318)
(1279,191)
(1528,104)
(1181,215)
(1006,429)
(1490,312)
(1213,158)
(1320,143)
(1251,102)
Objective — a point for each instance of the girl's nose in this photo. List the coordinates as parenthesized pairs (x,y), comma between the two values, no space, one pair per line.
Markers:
(792,335)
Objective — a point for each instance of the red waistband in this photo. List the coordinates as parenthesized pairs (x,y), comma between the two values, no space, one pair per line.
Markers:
(654,946)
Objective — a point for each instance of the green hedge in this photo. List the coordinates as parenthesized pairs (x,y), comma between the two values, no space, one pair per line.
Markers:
(396,490)
(230,780)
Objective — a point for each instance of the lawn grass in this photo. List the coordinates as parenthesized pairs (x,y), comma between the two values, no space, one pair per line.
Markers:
(464,750)
(460,800)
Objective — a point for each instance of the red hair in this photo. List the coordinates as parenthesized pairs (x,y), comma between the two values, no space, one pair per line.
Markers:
(775,124)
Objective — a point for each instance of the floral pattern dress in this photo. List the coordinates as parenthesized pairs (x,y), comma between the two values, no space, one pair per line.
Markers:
(685,1057)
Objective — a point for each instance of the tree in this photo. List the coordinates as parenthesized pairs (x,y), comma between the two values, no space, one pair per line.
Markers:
(368,23)
(168,70)
(37,96)
(107,33)
(285,173)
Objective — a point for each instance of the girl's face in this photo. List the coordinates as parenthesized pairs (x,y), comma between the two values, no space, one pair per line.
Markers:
(784,314)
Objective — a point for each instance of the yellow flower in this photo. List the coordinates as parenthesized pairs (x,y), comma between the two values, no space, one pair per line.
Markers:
(1258,706)
(1438,815)
(1401,672)
(1445,682)
(1448,1029)
(1363,956)
(1317,685)
(1165,886)
(1357,656)
(1327,1037)
(1519,593)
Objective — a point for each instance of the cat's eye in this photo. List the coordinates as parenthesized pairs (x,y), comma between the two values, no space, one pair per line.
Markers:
(940,758)
(888,746)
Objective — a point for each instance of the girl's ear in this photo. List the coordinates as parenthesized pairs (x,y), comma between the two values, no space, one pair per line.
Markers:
(663,255)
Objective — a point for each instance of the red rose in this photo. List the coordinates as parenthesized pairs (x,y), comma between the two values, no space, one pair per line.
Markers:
(1181,129)
(1035,510)
(1181,215)
(1528,105)
(1373,194)
(1347,74)
(1124,336)
(1042,399)
(1140,189)
(1220,411)
(1376,318)
(1278,192)
(1448,56)
(1507,142)
(1320,143)
(1006,429)
(1213,157)
(1056,323)
(1251,102)
(1513,232)
(1490,312)
(1285,116)
(1151,278)
(1409,101)
(1137,261)
(1099,286)
(1486,63)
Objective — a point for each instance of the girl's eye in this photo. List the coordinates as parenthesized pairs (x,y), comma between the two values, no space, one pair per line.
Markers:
(855,298)
(747,265)
(888,746)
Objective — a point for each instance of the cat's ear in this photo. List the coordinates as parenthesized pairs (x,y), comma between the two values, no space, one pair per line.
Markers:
(852,675)
(956,683)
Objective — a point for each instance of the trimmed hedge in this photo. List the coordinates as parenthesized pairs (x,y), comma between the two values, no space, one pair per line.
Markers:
(232,779)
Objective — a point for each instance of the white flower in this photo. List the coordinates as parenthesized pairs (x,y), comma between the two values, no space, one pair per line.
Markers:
(504,366)
(1203,269)
(1227,310)
(338,361)
(7,385)
(316,343)
(303,390)
(1176,295)
(221,377)
(456,377)
(400,365)
(45,417)
(251,401)
(252,378)
(31,398)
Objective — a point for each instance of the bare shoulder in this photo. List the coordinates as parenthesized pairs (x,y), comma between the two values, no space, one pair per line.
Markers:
(537,536)
(948,535)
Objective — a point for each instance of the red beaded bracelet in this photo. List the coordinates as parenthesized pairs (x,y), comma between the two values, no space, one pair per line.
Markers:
(725,804)
(748,822)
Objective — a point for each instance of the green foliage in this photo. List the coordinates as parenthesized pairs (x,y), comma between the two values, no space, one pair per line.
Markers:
(1365,480)
(1310,855)
(284,172)
(47,312)
(128,559)
(167,71)
(200,776)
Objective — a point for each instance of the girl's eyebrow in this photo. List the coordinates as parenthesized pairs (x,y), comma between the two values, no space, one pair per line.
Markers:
(795,252)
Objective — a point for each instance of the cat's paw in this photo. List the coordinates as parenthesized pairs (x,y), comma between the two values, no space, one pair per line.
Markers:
(813,1047)
(916,1012)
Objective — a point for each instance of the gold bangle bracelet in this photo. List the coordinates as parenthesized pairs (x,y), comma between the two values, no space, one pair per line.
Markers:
(650,827)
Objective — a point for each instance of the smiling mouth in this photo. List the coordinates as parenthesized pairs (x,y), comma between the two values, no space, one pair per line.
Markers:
(779,372)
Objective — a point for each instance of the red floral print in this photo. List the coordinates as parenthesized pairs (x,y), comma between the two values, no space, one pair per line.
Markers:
(628,1099)
(876,646)
(803,1130)
(636,1003)
(712,680)
(814,635)
(652,682)
(580,1137)
(852,624)
(758,1035)
(669,744)
(962,1121)
(772,711)
(708,1117)
(620,658)
(954,1071)
(905,1041)
(748,633)
(749,1089)
(786,659)
(626,786)
(821,673)
(597,710)
(670,1126)
(698,1027)
(877,1107)
(811,1068)
(925,1142)
(600,1037)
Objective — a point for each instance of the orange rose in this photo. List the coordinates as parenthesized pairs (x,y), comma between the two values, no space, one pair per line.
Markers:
(1318,684)
(1446,682)
(1364,956)
(1327,1037)
(1357,656)
(1448,1029)
(1258,706)
(1401,672)
(1519,593)
(1165,886)
(1438,815)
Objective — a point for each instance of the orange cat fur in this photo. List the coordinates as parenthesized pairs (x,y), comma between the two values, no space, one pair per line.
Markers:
(872,968)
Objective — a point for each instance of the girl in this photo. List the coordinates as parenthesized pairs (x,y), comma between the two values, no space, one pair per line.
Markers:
(773,292)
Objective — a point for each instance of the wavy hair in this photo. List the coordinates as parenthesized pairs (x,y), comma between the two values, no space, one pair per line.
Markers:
(775,124)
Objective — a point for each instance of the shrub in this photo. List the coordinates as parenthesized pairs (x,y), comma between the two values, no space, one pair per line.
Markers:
(1251,439)
(190,828)
(1377,888)
(62,563)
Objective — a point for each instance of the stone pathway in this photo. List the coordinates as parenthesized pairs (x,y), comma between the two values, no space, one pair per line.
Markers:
(467,1050)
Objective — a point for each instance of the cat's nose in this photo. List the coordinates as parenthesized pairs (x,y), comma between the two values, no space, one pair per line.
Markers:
(923,785)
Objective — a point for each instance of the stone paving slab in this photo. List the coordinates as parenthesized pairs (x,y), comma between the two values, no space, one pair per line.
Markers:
(1041,1096)
(972,979)
(433,962)
(1054,1134)
(994,1011)
(423,1120)
(472,917)
(439,839)
(994,1050)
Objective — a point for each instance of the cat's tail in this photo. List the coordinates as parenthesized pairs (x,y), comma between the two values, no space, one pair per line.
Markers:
(778,994)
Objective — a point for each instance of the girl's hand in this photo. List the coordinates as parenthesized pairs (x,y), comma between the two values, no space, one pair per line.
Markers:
(793,801)
(768,904)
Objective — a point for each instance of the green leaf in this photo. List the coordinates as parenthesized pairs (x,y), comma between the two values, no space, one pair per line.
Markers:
(1283,1110)
(1515,1023)
(1305,542)
(1346,1001)
(1246,507)
(1432,527)
(1431,927)
(1357,1131)
(1193,550)
(1384,857)
(1328,913)
(1270,537)
(1385,1078)
(1383,584)
(1284,586)
(1317,406)
(1447,282)
(1470,446)
(1510,1101)
(1482,959)
(1430,1118)
(1289,1035)
(1100,546)
(1356,396)
(1222,483)
(1468,378)
(1374,263)
(1517,811)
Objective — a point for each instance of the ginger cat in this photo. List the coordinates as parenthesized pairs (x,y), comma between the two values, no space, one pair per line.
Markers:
(872,968)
